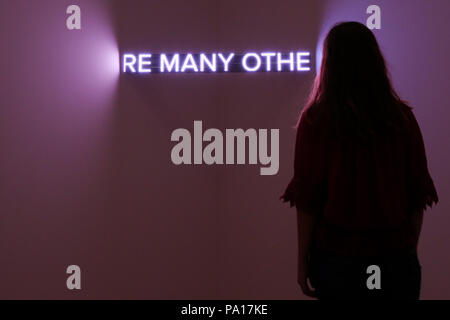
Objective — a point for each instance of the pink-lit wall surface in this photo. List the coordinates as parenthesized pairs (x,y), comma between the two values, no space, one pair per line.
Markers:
(85,171)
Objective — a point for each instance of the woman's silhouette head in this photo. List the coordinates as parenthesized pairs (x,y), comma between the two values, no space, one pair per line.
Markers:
(353,86)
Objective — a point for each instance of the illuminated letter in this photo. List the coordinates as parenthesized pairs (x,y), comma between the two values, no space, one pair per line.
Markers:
(189,63)
(142,63)
(290,61)
(212,65)
(74,280)
(268,56)
(216,147)
(129,60)
(164,63)
(74,21)
(374,21)
(257,65)
(226,61)
(264,158)
(184,146)
(300,61)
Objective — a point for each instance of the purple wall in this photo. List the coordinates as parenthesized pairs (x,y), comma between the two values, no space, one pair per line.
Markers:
(85,170)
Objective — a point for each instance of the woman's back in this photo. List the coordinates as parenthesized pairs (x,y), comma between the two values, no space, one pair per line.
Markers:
(370,188)
(363,192)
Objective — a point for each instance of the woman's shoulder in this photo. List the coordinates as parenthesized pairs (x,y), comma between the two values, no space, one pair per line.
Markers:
(313,124)
(314,115)
(407,110)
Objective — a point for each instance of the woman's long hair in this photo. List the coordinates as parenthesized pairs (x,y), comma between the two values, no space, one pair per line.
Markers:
(353,88)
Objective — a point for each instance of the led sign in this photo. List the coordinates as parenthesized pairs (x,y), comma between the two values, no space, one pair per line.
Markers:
(145,62)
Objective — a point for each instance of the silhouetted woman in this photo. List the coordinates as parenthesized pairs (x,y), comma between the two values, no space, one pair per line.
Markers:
(361,181)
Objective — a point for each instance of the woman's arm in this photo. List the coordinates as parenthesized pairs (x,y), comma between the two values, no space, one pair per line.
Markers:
(307,188)
(305,227)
